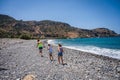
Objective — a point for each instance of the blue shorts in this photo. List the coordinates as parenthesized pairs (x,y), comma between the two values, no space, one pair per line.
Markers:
(50,52)
(60,54)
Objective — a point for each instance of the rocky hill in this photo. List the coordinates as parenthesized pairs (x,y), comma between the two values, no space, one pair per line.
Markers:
(10,27)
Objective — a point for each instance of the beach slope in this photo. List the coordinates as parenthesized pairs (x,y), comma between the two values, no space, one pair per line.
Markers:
(21,58)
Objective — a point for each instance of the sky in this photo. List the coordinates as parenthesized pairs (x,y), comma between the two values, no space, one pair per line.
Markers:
(86,14)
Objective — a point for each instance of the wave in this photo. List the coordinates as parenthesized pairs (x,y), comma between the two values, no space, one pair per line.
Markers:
(53,42)
(114,53)
(50,41)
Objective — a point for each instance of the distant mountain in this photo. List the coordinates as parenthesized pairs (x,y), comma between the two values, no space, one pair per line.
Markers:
(10,27)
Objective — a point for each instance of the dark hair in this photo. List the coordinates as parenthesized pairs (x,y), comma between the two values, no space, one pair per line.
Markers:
(48,44)
(59,45)
(38,40)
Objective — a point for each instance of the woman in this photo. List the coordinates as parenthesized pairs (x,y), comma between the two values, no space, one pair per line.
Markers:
(60,53)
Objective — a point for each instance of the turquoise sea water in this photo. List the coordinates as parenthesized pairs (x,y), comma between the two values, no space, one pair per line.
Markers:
(108,46)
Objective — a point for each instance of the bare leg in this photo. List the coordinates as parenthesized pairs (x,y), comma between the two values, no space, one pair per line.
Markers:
(41,53)
(59,59)
(49,56)
(52,57)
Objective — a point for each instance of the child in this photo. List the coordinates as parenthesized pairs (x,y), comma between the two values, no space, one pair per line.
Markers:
(50,52)
(40,46)
(60,53)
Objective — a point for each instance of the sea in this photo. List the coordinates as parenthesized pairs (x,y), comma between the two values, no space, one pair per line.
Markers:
(106,46)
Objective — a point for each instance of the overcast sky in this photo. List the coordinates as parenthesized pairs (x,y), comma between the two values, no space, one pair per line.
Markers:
(87,14)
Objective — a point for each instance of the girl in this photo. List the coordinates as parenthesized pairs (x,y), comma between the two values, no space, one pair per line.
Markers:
(60,53)
(40,46)
(50,52)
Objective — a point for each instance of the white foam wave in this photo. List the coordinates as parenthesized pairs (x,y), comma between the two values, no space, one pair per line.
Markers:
(51,42)
(114,53)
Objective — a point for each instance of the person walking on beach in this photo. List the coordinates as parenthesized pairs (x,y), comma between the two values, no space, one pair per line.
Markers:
(50,52)
(40,46)
(60,53)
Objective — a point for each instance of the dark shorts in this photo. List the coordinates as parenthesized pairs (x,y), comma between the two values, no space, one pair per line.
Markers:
(40,49)
(50,53)
(60,54)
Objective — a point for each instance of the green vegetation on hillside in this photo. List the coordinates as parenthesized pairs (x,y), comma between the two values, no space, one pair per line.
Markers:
(11,28)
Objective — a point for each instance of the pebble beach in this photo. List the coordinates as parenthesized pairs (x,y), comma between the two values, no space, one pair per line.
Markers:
(20,58)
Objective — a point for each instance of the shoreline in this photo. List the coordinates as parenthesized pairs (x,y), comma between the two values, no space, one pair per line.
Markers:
(93,54)
(19,58)
(89,53)
(111,53)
